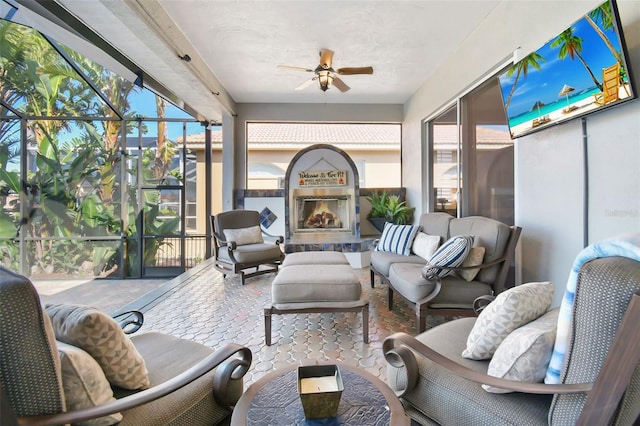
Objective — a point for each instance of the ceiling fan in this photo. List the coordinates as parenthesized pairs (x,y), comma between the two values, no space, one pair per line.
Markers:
(326,75)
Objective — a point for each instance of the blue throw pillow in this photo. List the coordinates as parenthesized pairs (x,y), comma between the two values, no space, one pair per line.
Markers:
(452,253)
(397,238)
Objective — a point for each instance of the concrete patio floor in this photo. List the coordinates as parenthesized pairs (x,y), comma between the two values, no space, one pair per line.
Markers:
(202,306)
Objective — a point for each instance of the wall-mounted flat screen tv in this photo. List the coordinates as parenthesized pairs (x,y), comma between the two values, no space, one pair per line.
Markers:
(580,71)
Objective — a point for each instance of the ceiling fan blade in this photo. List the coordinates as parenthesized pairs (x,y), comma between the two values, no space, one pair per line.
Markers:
(340,84)
(355,70)
(306,83)
(326,58)
(287,67)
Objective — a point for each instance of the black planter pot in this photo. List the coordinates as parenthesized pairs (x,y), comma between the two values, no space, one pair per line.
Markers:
(378,222)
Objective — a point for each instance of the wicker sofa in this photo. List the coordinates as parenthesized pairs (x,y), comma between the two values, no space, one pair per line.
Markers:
(451,295)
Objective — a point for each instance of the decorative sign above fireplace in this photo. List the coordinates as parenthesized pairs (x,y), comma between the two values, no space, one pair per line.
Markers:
(322,178)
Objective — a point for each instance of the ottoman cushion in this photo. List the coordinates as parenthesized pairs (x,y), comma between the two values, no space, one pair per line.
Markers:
(315,258)
(315,283)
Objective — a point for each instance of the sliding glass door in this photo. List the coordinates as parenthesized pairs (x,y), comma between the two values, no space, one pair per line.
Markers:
(471,157)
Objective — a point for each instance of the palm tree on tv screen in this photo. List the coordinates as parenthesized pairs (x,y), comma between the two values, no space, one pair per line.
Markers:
(571,45)
(604,17)
(522,69)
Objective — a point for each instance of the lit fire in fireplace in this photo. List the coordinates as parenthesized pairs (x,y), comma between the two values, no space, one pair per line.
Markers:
(322,217)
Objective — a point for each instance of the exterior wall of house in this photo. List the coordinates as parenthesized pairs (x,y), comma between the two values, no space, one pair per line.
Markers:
(381,167)
(347,113)
(550,203)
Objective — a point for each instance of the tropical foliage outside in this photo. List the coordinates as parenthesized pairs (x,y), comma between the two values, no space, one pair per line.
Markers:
(76,207)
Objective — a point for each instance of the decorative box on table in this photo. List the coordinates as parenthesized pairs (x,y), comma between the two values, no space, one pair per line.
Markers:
(320,388)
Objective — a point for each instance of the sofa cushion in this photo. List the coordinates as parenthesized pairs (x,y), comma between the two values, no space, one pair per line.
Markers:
(510,309)
(524,354)
(425,245)
(488,233)
(408,281)
(381,261)
(101,336)
(84,383)
(475,257)
(397,238)
(242,236)
(452,253)
(456,293)
(436,224)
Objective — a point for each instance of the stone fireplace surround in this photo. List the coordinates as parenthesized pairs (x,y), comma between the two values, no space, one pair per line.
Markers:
(348,241)
(346,198)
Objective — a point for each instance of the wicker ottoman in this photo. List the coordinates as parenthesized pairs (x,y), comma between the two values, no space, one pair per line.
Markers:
(316,282)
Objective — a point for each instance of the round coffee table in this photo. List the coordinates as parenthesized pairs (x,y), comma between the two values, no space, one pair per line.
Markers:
(274,400)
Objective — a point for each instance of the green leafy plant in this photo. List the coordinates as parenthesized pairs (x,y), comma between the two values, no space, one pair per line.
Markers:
(390,208)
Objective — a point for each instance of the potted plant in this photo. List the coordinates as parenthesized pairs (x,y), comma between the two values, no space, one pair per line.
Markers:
(388,208)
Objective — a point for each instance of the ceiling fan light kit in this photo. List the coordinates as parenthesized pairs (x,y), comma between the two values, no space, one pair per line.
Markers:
(326,75)
(325,78)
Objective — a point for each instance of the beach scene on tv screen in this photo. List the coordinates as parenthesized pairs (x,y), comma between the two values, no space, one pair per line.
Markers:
(577,72)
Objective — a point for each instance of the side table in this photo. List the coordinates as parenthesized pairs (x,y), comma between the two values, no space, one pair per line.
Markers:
(274,400)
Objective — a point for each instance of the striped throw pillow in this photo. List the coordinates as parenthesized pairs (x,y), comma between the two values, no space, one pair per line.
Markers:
(452,253)
(397,238)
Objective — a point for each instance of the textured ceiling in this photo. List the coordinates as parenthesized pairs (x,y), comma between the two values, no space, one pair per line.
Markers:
(403,41)
(235,46)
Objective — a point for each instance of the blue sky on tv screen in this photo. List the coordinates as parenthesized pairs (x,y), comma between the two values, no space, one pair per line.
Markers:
(545,85)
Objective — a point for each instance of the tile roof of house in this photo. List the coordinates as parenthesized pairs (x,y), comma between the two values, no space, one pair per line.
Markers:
(350,136)
(298,135)
(447,135)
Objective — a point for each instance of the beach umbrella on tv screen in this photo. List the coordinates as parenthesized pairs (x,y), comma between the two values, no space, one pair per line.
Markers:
(537,106)
(565,92)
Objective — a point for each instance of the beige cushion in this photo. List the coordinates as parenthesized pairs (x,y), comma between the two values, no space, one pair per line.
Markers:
(101,336)
(511,309)
(425,245)
(242,236)
(84,383)
(475,257)
(525,353)
(315,258)
(315,283)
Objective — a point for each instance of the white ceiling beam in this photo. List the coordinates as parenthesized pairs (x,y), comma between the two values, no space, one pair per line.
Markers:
(156,17)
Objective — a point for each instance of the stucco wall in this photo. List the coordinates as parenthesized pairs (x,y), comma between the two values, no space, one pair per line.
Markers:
(549,169)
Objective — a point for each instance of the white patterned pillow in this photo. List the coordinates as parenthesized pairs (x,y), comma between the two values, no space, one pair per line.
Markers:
(475,258)
(510,309)
(84,383)
(101,336)
(397,238)
(425,245)
(524,354)
(452,253)
(242,236)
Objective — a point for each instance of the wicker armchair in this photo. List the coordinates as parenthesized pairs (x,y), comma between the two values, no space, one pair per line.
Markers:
(599,382)
(239,245)
(189,383)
